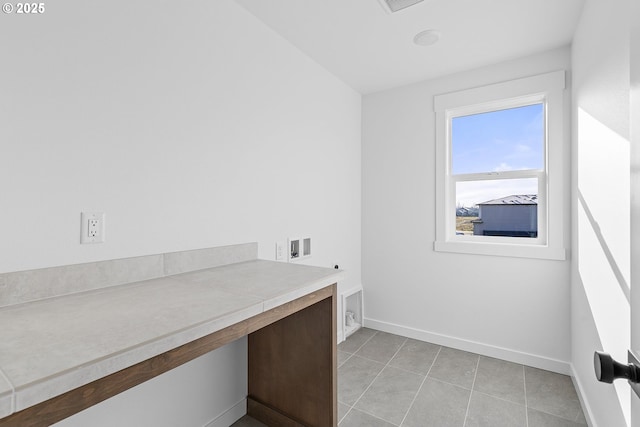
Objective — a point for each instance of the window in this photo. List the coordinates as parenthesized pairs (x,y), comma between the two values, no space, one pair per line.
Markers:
(500,168)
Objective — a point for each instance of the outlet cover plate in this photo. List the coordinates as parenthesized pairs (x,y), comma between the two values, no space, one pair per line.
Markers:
(280,250)
(92,227)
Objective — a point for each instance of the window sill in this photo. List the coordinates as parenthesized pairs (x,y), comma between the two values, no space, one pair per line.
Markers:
(502,249)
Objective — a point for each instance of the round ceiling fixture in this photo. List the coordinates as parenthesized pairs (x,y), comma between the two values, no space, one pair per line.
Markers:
(427,37)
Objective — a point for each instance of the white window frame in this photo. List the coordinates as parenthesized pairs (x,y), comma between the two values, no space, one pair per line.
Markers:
(547,89)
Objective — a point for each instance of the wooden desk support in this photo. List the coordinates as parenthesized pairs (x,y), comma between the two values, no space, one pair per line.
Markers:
(292,368)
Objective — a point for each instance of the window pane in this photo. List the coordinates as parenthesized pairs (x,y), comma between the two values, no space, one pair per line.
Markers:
(501,207)
(511,139)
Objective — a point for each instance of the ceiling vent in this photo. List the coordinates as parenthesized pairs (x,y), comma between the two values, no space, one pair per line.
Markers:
(392,6)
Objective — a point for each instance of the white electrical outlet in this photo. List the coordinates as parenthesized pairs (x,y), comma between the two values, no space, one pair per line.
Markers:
(280,250)
(92,227)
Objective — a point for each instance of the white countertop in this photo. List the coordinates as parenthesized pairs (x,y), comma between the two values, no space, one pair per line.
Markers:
(51,346)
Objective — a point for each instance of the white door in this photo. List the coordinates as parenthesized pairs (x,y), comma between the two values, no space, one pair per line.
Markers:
(635,194)
(605,367)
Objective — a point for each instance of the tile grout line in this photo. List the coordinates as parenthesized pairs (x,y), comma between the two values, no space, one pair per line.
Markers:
(345,415)
(353,354)
(421,385)
(526,403)
(374,380)
(375,416)
(347,359)
(365,343)
(499,398)
(473,384)
(391,366)
(524,367)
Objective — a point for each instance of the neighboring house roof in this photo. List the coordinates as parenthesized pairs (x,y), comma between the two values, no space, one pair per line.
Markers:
(466,211)
(517,199)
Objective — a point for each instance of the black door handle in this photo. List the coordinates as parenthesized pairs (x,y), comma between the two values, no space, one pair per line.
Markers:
(608,369)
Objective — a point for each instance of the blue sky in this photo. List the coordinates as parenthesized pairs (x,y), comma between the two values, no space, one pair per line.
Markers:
(497,141)
(510,139)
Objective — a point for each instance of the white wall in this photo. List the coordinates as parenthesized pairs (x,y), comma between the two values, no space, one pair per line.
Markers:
(600,195)
(513,308)
(207,391)
(191,125)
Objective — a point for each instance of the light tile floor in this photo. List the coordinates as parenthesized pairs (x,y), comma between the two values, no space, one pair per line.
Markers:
(386,380)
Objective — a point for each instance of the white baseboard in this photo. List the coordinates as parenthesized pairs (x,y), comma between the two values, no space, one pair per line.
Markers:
(230,416)
(583,401)
(536,361)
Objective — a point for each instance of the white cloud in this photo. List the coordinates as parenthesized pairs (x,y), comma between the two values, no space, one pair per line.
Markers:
(503,167)
(522,148)
(470,193)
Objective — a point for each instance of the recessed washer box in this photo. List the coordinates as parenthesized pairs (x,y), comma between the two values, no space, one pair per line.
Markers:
(306,247)
(294,248)
(299,248)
